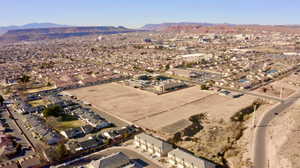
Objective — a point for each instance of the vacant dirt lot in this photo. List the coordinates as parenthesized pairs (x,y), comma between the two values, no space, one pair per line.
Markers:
(288,85)
(157,111)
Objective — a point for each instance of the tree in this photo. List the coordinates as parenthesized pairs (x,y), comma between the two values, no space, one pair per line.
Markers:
(167,67)
(1,100)
(24,79)
(265,90)
(49,84)
(61,151)
(53,110)
(204,87)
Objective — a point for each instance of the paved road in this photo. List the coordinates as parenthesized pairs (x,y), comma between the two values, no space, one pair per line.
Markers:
(260,155)
(17,118)
(17,132)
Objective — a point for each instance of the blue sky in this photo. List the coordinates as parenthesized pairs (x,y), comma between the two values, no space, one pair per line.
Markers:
(135,13)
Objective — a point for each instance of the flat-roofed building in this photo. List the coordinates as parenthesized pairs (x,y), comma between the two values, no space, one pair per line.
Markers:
(168,85)
(195,57)
(152,145)
(116,160)
(182,159)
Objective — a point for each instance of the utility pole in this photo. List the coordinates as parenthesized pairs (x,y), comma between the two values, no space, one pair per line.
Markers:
(281,92)
(254,117)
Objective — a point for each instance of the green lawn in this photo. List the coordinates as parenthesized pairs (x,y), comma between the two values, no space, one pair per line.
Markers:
(63,125)
(39,102)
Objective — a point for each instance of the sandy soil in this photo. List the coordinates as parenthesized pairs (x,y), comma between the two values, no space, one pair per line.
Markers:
(284,137)
(157,111)
(289,85)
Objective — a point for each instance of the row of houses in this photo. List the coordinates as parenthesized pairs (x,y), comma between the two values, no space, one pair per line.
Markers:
(8,145)
(25,108)
(90,117)
(41,130)
(31,161)
(38,95)
(106,138)
(93,120)
(176,157)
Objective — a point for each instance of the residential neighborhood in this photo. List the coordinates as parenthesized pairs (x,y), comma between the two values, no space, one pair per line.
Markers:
(175,94)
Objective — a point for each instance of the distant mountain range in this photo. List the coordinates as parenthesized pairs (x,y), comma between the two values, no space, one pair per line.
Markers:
(44,31)
(30,26)
(34,34)
(163,26)
(194,27)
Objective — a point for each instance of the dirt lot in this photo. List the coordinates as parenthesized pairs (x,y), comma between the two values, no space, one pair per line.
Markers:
(289,85)
(157,111)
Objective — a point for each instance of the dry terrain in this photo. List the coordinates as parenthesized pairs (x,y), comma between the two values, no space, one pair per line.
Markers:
(287,85)
(284,139)
(211,132)
(158,111)
(225,141)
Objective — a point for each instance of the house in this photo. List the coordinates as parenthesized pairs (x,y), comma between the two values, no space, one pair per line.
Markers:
(72,133)
(42,130)
(7,147)
(2,128)
(52,138)
(87,129)
(152,145)
(9,164)
(30,162)
(182,159)
(112,135)
(116,160)
(100,124)
(88,144)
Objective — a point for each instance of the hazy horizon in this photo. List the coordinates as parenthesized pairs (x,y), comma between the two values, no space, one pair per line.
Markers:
(137,13)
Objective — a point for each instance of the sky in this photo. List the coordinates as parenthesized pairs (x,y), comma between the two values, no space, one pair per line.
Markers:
(136,13)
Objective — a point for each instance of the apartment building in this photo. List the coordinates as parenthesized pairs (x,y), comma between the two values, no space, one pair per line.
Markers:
(152,145)
(182,159)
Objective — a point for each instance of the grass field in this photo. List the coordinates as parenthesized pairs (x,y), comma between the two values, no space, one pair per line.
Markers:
(39,102)
(39,89)
(63,125)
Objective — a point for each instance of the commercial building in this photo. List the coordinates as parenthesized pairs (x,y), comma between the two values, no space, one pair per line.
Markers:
(168,85)
(195,57)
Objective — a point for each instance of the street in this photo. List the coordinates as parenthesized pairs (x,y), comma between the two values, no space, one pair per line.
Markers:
(260,156)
